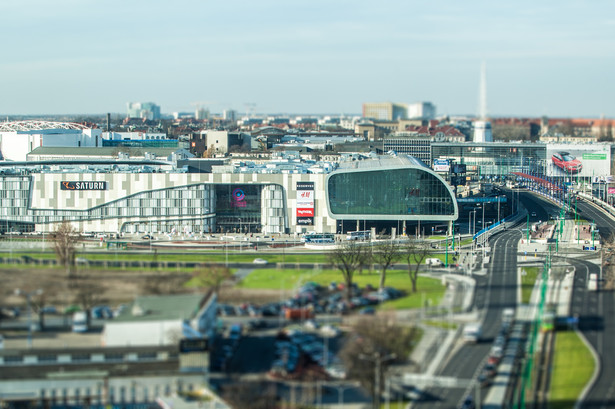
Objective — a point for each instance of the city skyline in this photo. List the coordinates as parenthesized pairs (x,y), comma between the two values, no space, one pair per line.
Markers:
(74,57)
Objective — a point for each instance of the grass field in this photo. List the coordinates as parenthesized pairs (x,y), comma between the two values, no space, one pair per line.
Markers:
(429,289)
(200,256)
(527,282)
(573,366)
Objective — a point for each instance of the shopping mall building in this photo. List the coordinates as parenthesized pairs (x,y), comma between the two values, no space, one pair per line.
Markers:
(285,195)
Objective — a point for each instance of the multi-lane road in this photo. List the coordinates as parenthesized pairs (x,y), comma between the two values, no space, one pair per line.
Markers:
(494,291)
(498,290)
(596,312)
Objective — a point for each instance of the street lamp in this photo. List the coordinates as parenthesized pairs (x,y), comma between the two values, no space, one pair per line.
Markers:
(28,296)
(378,360)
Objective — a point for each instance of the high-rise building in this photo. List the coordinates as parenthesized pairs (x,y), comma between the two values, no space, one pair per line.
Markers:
(229,115)
(201,113)
(385,111)
(422,110)
(144,110)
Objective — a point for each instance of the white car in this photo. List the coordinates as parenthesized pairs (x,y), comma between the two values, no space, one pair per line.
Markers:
(260,261)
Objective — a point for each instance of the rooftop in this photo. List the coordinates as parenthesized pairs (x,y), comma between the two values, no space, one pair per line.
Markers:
(159,308)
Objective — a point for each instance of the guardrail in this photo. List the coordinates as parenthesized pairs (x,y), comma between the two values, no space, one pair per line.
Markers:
(483,235)
(598,202)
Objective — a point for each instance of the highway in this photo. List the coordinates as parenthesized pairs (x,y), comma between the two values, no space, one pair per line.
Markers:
(494,292)
(596,311)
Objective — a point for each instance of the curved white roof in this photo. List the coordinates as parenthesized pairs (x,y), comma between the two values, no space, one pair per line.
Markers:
(38,125)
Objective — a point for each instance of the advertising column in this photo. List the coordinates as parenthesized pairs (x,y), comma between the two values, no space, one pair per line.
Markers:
(305,203)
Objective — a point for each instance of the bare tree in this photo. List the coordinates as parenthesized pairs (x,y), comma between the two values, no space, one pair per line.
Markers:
(211,276)
(348,258)
(165,283)
(415,253)
(65,244)
(376,344)
(385,254)
(88,292)
(250,395)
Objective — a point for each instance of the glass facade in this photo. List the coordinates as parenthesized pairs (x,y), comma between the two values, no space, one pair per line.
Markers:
(494,158)
(238,208)
(186,207)
(389,194)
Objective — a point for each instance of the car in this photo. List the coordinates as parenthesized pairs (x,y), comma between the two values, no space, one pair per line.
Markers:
(533,214)
(329,331)
(101,312)
(484,380)
(147,237)
(567,162)
(468,403)
(367,311)
(71,309)
(260,261)
(490,370)
(49,310)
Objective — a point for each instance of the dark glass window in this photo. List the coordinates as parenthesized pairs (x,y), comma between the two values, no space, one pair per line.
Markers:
(389,192)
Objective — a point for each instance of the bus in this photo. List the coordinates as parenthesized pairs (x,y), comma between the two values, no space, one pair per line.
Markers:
(319,238)
(358,235)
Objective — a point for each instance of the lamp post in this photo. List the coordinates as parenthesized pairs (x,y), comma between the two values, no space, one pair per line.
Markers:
(28,296)
(378,360)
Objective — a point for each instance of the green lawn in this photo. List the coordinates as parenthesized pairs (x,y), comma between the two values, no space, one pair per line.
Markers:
(527,282)
(573,366)
(204,256)
(432,288)
(201,256)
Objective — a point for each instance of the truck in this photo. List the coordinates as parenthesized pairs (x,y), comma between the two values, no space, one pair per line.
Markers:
(80,321)
(472,332)
(296,314)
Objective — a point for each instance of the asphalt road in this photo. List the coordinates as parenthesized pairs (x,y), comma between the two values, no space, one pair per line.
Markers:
(494,292)
(596,311)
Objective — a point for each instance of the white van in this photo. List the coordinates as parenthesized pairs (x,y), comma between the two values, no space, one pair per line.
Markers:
(435,262)
(592,282)
(472,332)
(80,321)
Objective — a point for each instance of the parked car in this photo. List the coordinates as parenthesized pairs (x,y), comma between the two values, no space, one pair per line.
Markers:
(367,311)
(49,310)
(147,237)
(468,403)
(260,261)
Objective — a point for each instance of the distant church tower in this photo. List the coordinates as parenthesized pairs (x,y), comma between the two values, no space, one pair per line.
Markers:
(482,127)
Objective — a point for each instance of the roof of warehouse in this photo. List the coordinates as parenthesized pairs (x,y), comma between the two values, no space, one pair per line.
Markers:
(100,151)
(163,307)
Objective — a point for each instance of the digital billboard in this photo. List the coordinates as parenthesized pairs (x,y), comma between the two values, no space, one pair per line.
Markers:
(441,165)
(305,203)
(578,160)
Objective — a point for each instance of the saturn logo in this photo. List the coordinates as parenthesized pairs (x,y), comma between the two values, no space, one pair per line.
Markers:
(238,195)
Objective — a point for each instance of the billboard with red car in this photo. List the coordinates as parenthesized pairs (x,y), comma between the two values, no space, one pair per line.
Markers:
(582,160)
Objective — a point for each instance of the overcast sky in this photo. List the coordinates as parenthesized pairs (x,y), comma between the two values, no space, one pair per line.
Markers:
(553,58)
